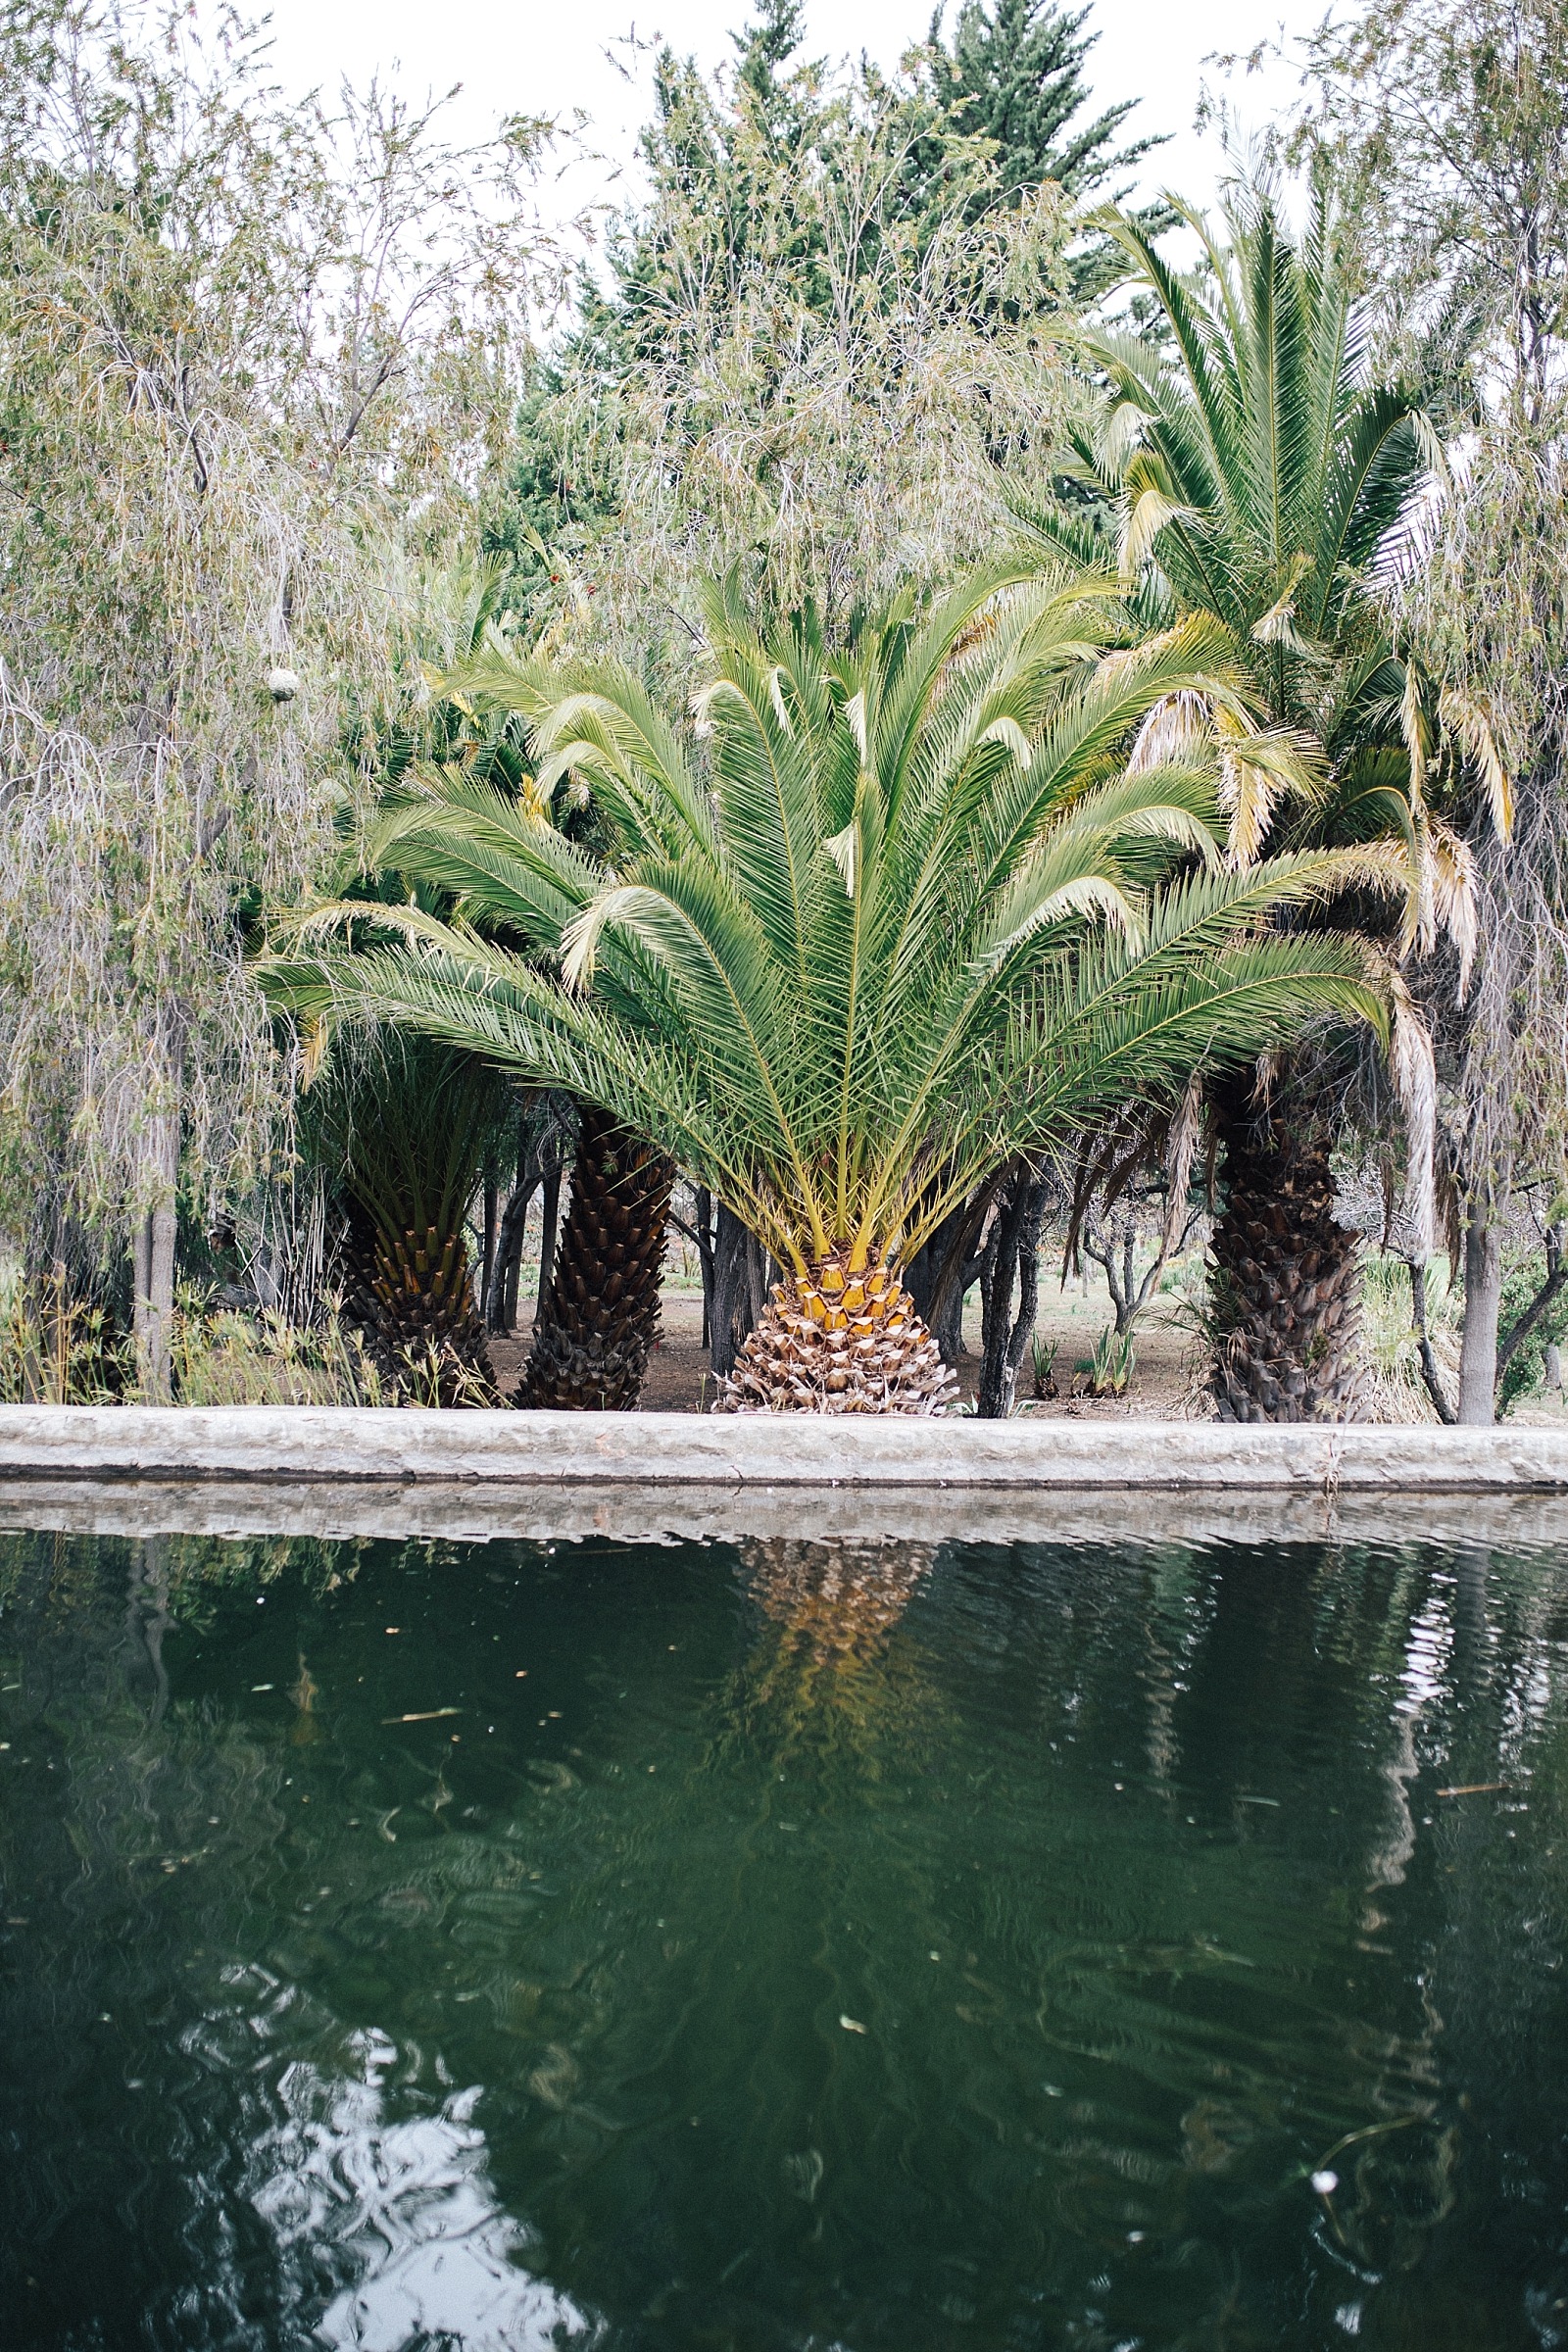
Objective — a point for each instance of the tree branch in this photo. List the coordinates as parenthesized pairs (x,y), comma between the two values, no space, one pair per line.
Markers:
(1533,1313)
(1428,1362)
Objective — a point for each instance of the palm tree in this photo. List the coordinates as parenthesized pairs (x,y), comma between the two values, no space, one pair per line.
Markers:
(403,1125)
(1261,479)
(884,914)
(600,1316)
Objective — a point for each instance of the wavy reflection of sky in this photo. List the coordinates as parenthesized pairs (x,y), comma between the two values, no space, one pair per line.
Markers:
(404,2215)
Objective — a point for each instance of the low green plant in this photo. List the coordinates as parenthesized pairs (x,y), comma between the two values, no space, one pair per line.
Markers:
(1526,1368)
(1399,1392)
(1110,1368)
(54,1349)
(1043,1358)
(227,1358)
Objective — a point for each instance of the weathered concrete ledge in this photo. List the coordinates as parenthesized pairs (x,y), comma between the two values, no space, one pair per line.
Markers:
(479,1477)
(263,1444)
(772,1449)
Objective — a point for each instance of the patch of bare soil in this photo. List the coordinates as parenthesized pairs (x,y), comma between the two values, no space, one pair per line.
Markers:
(1163,1387)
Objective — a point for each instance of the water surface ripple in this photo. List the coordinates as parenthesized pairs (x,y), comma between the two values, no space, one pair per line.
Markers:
(412,1947)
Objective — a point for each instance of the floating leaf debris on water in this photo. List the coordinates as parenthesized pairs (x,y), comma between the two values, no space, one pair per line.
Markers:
(853,2024)
(427,1715)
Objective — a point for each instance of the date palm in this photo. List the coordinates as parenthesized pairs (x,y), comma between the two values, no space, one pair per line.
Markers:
(881,914)
(1261,477)
(600,1316)
(402,1124)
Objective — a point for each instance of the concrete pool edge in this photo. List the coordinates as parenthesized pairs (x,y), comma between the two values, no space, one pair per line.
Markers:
(339,1473)
(342,1446)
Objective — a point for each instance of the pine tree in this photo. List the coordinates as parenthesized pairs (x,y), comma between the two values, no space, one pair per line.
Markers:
(1015,74)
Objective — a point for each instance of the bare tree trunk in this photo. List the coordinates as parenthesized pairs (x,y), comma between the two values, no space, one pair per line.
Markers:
(153,1260)
(1423,1344)
(488,1263)
(503,1308)
(739,1291)
(941,1275)
(1545,1300)
(703,1236)
(1482,1297)
(547,1240)
(1015,1257)
(937,1287)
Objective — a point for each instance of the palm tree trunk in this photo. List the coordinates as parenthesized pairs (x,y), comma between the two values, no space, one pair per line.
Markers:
(409,1297)
(600,1316)
(1284,1306)
(837,1342)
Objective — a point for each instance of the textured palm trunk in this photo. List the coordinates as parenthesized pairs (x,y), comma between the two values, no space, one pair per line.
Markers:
(840,1342)
(409,1297)
(1285,1309)
(601,1316)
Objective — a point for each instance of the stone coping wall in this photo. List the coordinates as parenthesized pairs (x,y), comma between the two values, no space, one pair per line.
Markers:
(338,1443)
(648,1476)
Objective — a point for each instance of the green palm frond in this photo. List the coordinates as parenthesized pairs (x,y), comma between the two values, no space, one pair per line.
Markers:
(1262,477)
(878,912)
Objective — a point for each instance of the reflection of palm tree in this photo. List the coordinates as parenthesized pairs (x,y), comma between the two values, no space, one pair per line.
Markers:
(827,1666)
(839,1597)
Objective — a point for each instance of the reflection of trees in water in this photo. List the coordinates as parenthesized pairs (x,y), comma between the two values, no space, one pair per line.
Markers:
(838,1597)
(819,1821)
(400,2212)
(831,1664)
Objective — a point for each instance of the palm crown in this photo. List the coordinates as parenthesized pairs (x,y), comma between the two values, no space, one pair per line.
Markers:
(877,915)
(1263,478)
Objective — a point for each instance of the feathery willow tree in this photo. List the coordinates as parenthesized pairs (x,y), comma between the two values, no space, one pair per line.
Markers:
(823,335)
(1452,124)
(893,907)
(240,345)
(1260,473)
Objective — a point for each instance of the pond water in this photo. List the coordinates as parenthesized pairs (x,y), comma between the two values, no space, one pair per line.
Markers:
(499,1946)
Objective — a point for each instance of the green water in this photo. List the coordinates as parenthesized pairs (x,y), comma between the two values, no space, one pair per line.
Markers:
(783,1947)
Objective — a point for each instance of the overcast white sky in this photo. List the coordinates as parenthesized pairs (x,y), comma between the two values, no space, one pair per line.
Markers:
(554,57)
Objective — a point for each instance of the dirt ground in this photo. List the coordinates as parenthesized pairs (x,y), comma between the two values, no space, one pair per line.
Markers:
(1163,1386)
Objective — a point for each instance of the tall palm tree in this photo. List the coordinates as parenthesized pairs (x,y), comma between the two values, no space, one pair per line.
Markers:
(600,1316)
(1262,479)
(884,914)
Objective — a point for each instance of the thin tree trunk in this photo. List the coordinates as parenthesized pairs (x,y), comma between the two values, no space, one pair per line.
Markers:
(936,1285)
(942,1275)
(488,1265)
(501,1310)
(547,1240)
(703,1203)
(153,1260)
(1482,1298)
(1014,1258)
(1423,1342)
(1541,1305)
(503,1306)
